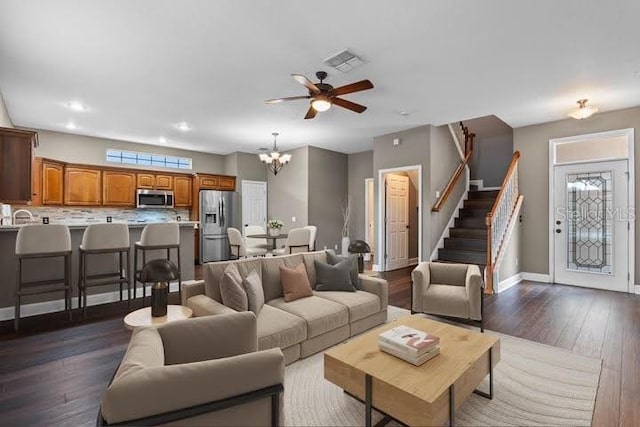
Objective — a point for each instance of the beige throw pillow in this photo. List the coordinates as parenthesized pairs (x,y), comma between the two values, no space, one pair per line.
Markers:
(253,285)
(231,290)
(295,283)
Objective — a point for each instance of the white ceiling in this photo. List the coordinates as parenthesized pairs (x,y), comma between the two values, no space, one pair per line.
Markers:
(144,65)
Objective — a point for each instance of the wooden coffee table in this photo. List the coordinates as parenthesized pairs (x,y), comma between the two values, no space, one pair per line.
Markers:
(415,395)
(142,317)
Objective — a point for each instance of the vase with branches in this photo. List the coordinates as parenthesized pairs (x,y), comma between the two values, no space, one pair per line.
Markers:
(346,222)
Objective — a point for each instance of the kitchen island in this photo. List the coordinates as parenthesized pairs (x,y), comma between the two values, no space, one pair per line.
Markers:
(52,268)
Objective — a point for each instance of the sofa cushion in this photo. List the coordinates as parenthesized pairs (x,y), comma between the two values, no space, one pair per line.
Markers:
(448,274)
(295,283)
(309,259)
(202,305)
(271,273)
(320,314)
(233,294)
(354,272)
(213,272)
(446,300)
(333,277)
(360,304)
(253,286)
(277,328)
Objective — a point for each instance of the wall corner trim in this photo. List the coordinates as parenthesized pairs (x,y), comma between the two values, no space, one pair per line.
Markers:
(509,282)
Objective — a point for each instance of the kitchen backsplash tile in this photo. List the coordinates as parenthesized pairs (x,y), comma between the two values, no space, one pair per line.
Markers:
(70,215)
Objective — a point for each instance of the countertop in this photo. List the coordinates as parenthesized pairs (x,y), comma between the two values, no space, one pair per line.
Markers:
(79,225)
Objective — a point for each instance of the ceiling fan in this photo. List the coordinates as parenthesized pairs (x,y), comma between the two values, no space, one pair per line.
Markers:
(323,95)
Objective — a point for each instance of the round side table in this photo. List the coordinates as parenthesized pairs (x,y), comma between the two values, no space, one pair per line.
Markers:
(142,317)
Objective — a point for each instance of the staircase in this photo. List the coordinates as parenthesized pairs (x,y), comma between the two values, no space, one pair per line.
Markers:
(467,241)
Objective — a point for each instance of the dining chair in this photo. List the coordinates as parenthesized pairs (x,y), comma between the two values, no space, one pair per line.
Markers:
(297,241)
(313,231)
(251,230)
(238,247)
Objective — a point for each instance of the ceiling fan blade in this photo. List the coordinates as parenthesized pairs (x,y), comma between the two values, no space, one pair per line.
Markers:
(349,105)
(306,83)
(353,87)
(291,98)
(311,113)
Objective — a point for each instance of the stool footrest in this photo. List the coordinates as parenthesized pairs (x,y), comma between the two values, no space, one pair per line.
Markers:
(42,288)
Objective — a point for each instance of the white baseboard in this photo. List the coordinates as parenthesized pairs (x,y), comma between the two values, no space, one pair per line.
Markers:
(490,188)
(536,277)
(479,183)
(637,289)
(413,261)
(37,308)
(376,267)
(509,282)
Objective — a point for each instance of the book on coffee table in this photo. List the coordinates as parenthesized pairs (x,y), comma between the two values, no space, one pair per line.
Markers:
(408,340)
(414,360)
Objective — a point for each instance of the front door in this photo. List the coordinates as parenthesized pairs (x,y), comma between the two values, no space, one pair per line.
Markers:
(397,221)
(591,223)
(254,204)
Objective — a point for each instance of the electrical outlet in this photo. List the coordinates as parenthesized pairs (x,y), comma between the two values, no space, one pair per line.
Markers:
(335,247)
(293,219)
(437,194)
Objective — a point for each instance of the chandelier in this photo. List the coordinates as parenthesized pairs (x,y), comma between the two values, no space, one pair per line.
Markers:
(275,161)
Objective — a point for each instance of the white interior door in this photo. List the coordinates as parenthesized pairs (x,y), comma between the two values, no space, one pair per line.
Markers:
(397,221)
(254,204)
(591,225)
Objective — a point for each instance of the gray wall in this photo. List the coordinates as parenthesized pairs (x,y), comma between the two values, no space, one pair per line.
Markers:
(5,120)
(327,194)
(413,150)
(91,150)
(492,149)
(445,158)
(288,192)
(533,144)
(360,167)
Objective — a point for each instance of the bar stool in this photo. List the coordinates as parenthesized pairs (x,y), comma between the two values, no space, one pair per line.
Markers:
(43,241)
(156,237)
(100,239)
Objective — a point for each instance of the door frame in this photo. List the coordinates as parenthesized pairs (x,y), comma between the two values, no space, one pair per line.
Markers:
(629,135)
(266,201)
(381,224)
(368,181)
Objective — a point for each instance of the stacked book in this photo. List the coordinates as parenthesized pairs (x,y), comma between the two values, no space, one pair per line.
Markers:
(408,344)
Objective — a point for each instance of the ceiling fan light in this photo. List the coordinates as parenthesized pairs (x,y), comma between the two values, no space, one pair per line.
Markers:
(321,103)
(583,110)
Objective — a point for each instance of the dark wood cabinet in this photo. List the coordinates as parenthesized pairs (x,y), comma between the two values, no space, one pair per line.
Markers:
(16,164)
(52,183)
(118,188)
(82,186)
(182,191)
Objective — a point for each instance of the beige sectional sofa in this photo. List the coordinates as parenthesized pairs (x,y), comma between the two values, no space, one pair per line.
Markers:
(301,327)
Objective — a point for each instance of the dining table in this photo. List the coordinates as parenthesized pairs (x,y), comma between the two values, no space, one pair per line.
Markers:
(269,237)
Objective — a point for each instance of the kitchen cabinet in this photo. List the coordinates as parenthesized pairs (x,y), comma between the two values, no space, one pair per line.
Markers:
(146,180)
(164,182)
(82,186)
(16,164)
(52,183)
(182,191)
(154,181)
(118,188)
(208,182)
(226,183)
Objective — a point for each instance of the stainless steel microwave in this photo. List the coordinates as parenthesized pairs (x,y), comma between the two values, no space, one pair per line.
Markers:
(157,199)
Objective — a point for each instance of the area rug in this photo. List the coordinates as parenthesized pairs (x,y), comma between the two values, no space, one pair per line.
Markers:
(534,384)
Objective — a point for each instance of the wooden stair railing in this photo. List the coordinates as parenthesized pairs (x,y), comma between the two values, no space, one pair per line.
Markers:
(468,151)
(499,216)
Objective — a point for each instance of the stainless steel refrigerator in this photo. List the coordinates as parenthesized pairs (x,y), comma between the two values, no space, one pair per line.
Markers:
(218,210)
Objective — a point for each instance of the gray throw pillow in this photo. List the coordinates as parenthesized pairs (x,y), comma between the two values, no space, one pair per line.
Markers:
(333,277)
(231,290)
(253,285)
(333,259)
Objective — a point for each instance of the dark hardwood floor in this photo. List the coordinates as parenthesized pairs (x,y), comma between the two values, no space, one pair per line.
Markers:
(54,372)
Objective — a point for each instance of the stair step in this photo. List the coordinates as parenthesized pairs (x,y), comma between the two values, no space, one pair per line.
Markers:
(466,257)
(465,244)
(468,233)
(479,203)
(483,194)
(471,222)
(474,212)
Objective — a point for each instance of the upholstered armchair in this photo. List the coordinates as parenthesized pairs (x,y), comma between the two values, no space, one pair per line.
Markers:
(197,372)
(448,290)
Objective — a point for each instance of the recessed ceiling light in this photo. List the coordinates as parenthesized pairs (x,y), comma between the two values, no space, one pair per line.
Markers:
(71,126)
(77,106)
(162,140)
(183,126)
(404,113)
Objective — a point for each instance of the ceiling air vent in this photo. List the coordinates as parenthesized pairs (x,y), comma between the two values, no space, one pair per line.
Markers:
(344,61)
